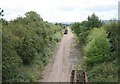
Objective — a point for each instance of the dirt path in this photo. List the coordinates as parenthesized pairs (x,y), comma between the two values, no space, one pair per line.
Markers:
(67,54)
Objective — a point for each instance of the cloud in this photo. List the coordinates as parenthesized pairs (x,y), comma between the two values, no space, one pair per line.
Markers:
(119,11)
(61,10)
(101,8)
(66,8)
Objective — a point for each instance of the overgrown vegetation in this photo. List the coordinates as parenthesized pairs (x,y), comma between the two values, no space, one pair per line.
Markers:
(100,44)
(97,49)
(82,29)
(27,44)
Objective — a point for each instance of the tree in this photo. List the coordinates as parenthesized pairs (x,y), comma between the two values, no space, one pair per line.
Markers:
(93,21)
(33,16)
(1,11)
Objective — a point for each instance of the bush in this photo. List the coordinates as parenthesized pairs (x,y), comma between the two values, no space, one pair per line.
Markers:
(113,30)
(104,72)
(82,29)
(10,59)
(97,49)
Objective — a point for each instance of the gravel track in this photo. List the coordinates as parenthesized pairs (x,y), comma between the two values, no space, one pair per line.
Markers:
(66,55)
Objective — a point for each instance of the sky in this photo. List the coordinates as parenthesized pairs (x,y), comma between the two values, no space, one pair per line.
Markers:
(119,11)
(61,10)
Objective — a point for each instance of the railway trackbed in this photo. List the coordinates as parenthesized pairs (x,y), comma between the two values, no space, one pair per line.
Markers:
(67,54)
(78,76)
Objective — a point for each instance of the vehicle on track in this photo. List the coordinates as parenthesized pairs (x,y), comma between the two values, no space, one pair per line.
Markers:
(66,31)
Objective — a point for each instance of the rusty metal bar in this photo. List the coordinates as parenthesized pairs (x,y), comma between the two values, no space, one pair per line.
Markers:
(78,76)
(75,74)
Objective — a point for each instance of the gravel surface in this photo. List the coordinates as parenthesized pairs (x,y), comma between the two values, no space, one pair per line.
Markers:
(66,56)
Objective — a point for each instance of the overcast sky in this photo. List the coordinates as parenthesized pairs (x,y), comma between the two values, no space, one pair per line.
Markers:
(61,10)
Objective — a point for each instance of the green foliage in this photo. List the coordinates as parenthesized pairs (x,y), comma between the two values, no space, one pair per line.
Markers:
(82,29)
(100,48)
(104,72)
(113,30)
(28,43)
(62,25)
(10,58)
(76,28)
(79,29)
(93,21)
(97,47)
